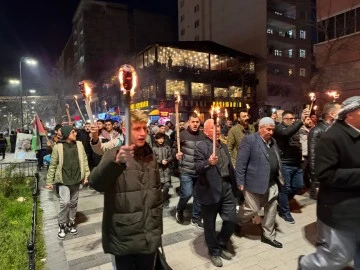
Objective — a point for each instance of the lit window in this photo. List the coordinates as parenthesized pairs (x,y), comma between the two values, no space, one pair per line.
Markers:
(290,71)
(290,52)
(302,34)
(278,13)
(221,92)
(200,89)
(269,31)
(290,34)
(278,52)
(302,53)
(302,72)
(173,86)
(197,23)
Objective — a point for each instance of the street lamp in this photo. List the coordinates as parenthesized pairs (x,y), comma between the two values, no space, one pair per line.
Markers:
(32,91)
(30,62)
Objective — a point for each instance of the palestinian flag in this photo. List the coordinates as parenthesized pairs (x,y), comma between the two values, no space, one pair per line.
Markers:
(38,130)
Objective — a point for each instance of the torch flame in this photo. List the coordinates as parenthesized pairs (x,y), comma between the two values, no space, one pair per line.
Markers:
(197,113)
(128,68)
(177,96)
(226,113)
(214,110)
(87,89)
(75,97)
(312,96)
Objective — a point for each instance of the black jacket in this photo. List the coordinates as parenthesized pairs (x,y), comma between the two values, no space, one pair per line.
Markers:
(163,152)
(188,142)
(84,137)
(337,167)
(288,141)
(209,185)
(313,138)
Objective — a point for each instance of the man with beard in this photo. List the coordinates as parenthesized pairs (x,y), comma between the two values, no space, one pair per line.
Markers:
(189,138)
(107,139)
(237,133)
(83,135)
(132,216)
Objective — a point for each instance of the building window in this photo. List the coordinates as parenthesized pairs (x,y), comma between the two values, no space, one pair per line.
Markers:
(182,18)
(290,34)
(290,72)
(197,23)
(270,31)
(173,86)
(221,92)
(340,25)
(290,53)
(235,91)
(182,31)
(113,101)
(302,72)
(81,59)
(200,89)
(278,52)
(302,53)
(350,22)
(302,34)
(196,8)
(182,3)
(197,38)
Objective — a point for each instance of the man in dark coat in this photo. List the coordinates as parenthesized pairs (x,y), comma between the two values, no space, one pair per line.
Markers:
(12,141)
(215,192)
(258,173)
(337,167)
(132,217)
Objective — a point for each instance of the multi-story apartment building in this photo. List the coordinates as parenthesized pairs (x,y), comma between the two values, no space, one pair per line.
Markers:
(337,52)
(275,31)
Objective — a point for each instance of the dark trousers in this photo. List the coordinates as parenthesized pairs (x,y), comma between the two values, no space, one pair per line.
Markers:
(306,169)
(40,156)
(135,262)
(2,152)
(226,208)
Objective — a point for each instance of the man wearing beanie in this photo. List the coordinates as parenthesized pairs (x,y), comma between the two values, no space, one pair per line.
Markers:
(258,173)
(68,167)
(337,168)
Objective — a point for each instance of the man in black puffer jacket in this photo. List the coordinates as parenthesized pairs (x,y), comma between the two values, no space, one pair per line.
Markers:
(288,140)
(189,139)
(329,113)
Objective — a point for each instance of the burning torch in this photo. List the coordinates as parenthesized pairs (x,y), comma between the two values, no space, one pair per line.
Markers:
(214,115)
(86,93)
(128,81)
(77,105)
(67,108)
(104,103)
(177,101)
(312,99)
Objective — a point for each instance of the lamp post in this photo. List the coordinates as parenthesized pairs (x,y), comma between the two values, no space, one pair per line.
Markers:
(30,62)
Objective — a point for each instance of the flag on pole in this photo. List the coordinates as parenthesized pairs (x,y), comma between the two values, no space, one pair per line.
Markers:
(38,130)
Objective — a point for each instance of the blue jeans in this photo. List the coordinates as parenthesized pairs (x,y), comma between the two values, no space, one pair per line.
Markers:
(294,181)
(187,183)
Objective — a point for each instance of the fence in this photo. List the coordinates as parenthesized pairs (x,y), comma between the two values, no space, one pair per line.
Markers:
(32,238)
(26,168)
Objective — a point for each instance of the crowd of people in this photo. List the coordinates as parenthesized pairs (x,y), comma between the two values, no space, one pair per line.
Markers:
(256,168)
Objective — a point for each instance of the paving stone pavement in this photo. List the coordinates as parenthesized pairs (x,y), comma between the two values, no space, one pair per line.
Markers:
(184,245)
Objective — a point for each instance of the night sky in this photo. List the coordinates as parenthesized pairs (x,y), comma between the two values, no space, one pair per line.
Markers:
(33,28)
(41,28)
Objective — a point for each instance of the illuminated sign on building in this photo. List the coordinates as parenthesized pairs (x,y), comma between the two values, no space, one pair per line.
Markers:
(227,104)
(139,105)
(164,114)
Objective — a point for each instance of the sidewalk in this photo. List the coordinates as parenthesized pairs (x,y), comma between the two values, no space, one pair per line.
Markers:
(184,244)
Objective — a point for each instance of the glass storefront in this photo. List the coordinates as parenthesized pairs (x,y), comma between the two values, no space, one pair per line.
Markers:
(200,89)
(235,91)
(173,86)
(221,92)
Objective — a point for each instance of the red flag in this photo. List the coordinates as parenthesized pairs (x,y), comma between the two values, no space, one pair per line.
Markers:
(77,118)
(39,127)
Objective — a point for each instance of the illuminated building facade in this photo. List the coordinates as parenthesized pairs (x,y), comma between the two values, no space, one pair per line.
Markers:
(204,73)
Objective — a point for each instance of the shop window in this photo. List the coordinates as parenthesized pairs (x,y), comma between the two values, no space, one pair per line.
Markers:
(235,91)
(221,92)
(200,89)
(173,86)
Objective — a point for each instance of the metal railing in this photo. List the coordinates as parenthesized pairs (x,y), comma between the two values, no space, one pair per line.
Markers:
(26,169)
(32,239)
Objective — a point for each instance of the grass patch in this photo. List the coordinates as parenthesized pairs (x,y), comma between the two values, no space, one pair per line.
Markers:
(15,223)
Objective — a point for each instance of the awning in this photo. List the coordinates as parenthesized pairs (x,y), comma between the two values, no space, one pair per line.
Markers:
(154,112)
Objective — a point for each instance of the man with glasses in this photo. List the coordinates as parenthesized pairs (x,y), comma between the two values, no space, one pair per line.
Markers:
(288,139)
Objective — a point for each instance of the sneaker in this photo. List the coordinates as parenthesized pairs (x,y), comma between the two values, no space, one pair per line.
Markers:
(198,224)
(72,228)
(216,260)
(288,218)
(62,231)
(226,254)
(179,216)
(299,262)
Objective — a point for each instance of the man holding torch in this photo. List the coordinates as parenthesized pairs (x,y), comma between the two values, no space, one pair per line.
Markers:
(132,218)
(215,191)
(188,140)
